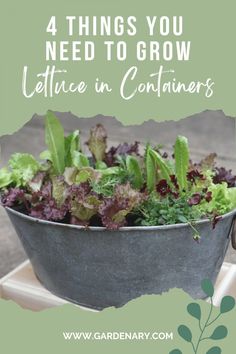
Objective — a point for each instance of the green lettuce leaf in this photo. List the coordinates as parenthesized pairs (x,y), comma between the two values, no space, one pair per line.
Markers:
(54,137)
(154,161)
(232,197)
(5,177)
(181,161)
(223,200)
(134,170)
(45,155)
(150,171)
(24,168)
(87,174)
(72,145)
(79,160)
(100,165)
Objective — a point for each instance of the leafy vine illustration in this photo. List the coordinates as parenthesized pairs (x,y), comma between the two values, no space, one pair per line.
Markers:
(194,309)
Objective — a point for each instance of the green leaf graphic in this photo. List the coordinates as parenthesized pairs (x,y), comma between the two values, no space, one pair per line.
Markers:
(176,351)
(207,287)
(227,304)
(214,350)
(185,333)
(219,333)
(194,310)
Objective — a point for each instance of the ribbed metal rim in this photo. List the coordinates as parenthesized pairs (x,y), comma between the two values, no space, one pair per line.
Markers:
(125,228)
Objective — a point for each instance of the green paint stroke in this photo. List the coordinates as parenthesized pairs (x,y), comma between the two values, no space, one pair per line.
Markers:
(194,309)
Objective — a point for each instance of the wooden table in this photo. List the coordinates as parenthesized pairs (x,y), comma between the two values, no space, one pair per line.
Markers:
(22,286)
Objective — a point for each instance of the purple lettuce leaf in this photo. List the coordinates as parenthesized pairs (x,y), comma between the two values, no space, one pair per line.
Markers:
(114,210)
(110,212)
(49,210)
(84,203)
(97,142)
(44,206)
(207,163)
(36,183)
(121,150)
(224,175)
(12,197)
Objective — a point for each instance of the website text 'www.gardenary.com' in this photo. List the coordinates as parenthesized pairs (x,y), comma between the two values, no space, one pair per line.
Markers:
(116,336)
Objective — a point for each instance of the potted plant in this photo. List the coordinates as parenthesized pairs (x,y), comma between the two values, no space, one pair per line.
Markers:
(103,229)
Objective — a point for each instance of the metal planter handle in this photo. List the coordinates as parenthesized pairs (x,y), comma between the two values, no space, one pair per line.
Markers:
(233,234)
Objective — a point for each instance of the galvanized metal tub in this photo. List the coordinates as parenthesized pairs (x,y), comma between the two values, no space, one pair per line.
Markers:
(99,268)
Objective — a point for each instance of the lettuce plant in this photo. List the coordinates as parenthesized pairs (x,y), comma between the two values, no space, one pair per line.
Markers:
(117,186)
